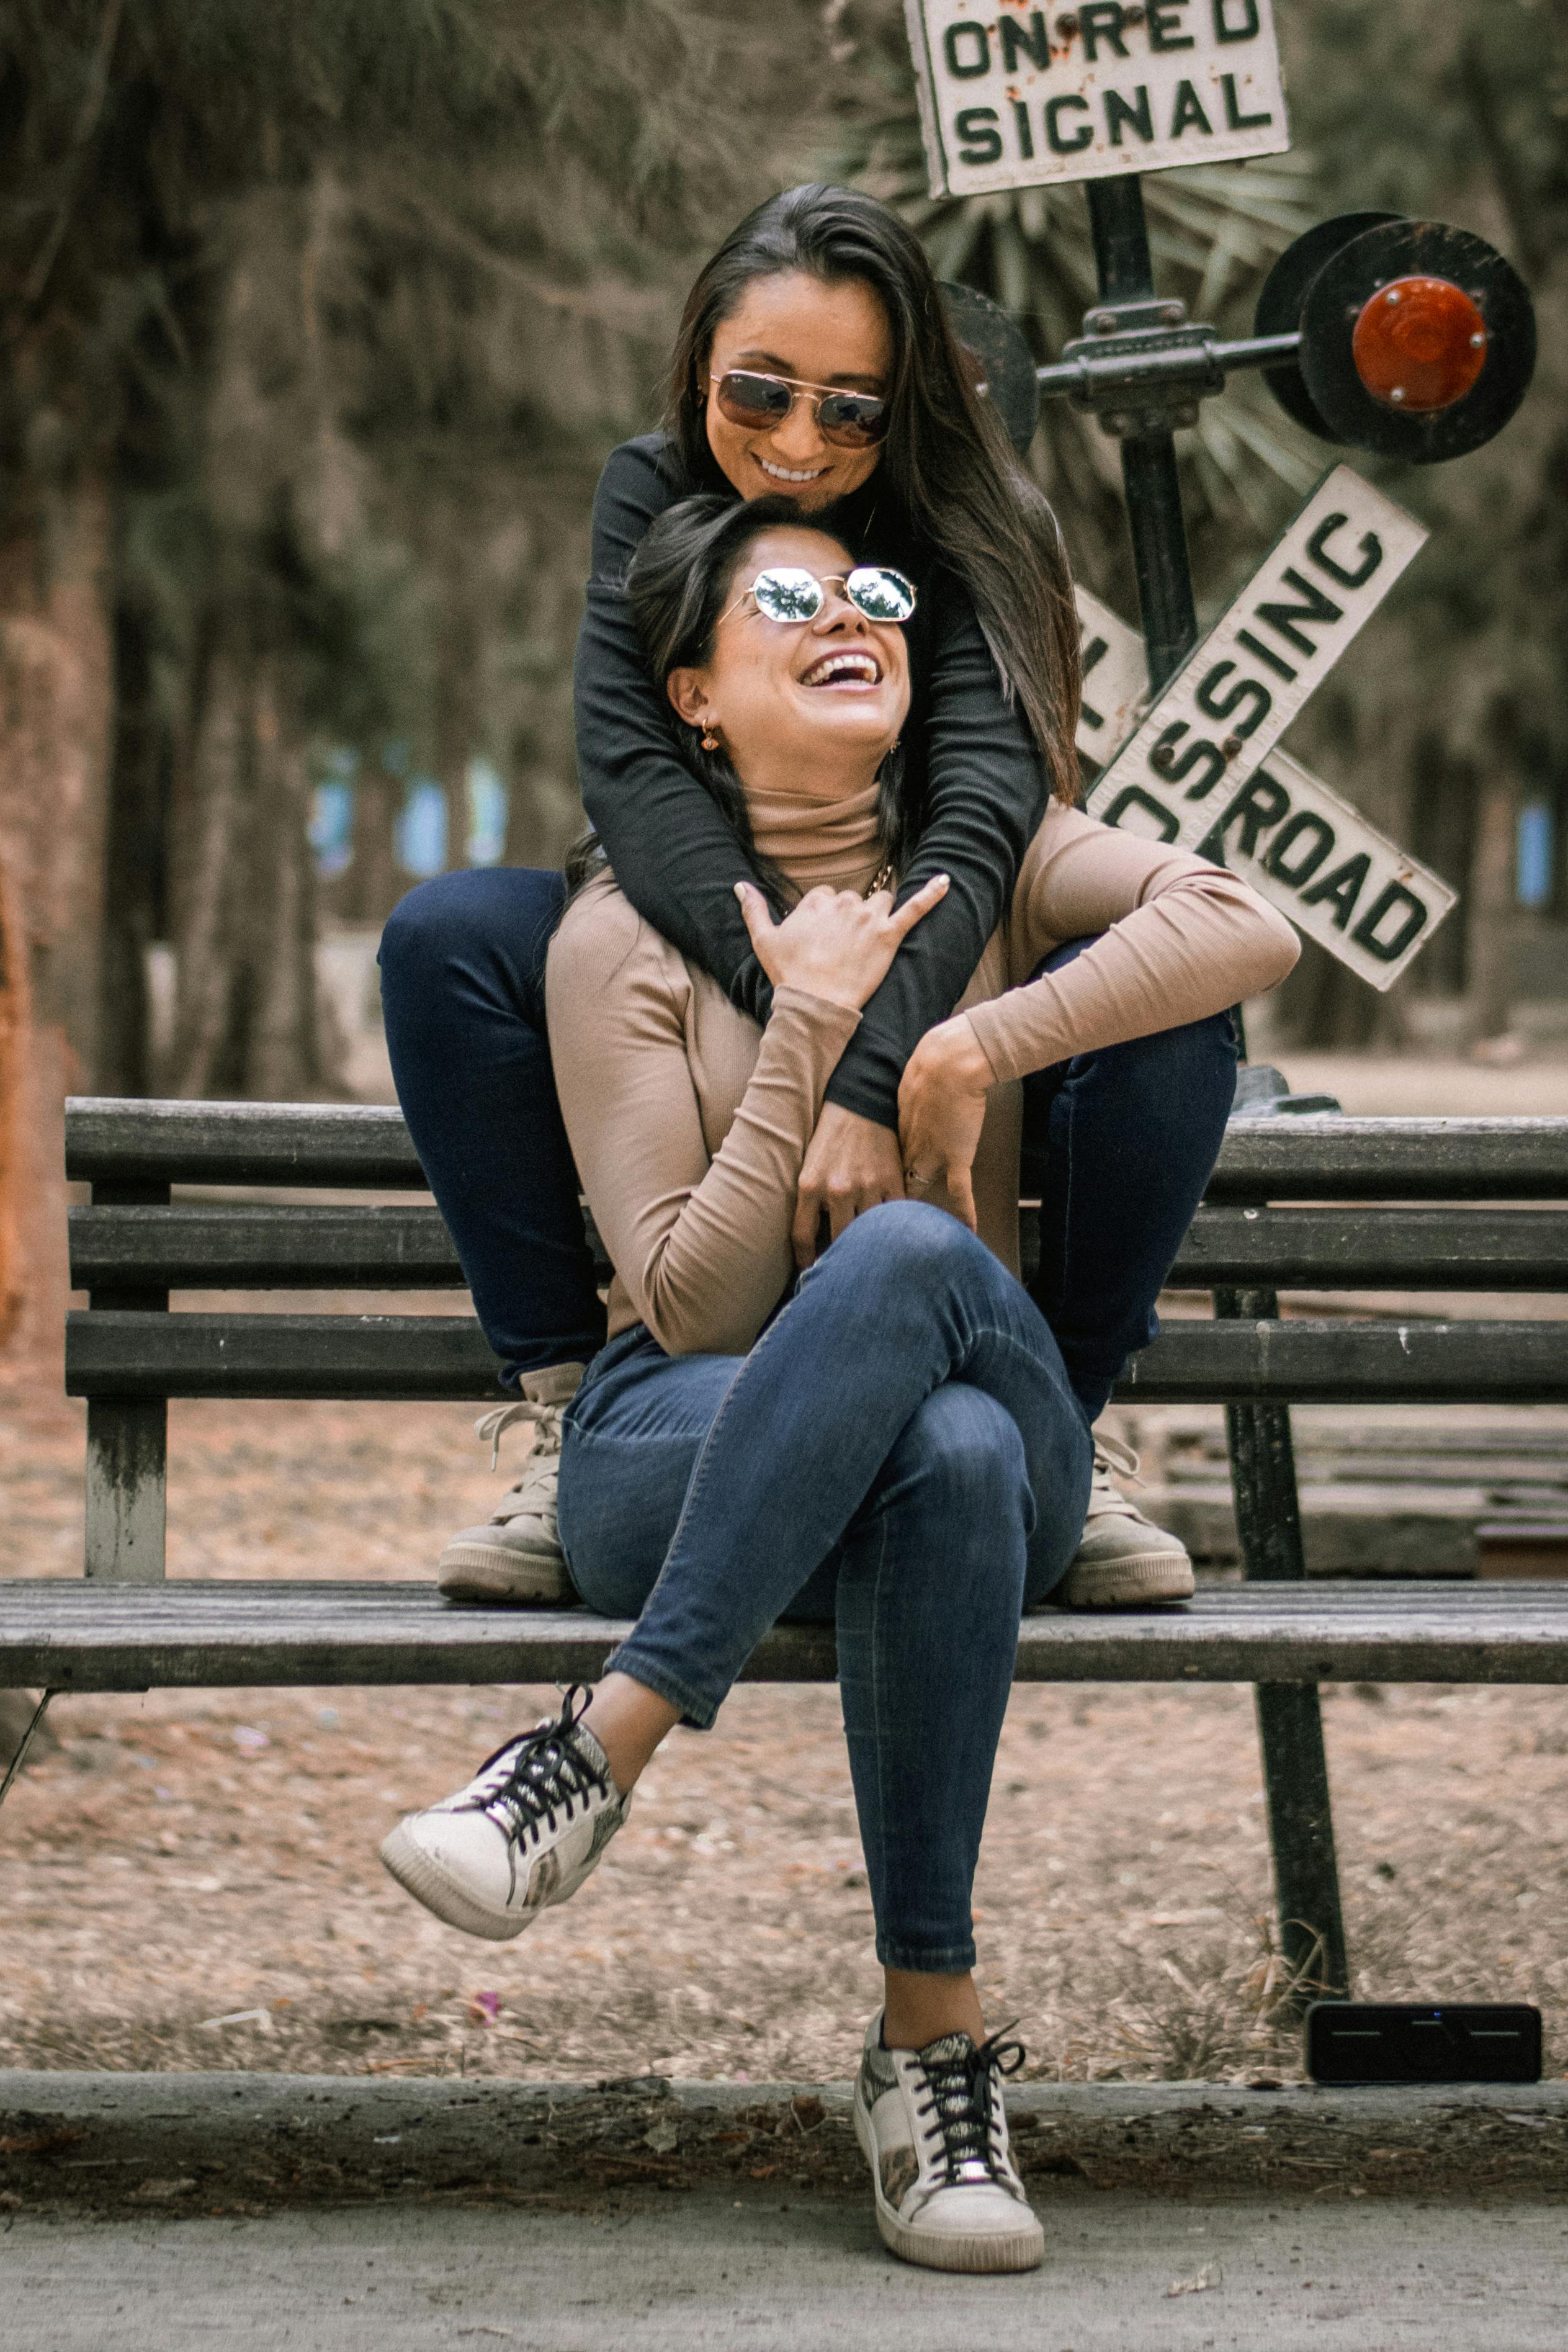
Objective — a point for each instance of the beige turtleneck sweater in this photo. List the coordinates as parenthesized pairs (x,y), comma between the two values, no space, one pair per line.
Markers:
(689,1125)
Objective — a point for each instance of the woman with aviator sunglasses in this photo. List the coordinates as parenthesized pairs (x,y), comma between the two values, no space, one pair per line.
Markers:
(891,1443)
(814,361)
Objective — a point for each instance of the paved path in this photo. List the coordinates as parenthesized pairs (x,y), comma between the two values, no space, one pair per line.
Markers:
(671,2273)
(150,2212)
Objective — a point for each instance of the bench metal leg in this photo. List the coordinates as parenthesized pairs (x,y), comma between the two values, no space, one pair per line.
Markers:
(126,1456)
(1289,1717)
(127,1442)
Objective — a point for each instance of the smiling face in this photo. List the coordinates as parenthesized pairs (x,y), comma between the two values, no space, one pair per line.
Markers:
(809,708)
(794,325)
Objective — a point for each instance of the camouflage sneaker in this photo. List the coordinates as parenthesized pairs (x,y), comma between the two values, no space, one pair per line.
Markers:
(516,1556)
(522,1836)
(932,2125)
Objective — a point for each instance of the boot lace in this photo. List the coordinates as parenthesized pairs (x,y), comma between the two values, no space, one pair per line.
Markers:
(546,1418)
(1110,1454)
(959,2106)
(534,1782)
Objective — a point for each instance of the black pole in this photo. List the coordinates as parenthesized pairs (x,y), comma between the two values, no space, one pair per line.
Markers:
(1262,1458)
(1148,459)
(1290,1715)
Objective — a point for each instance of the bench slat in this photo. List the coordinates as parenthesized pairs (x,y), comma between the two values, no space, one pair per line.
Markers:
(446,1356)
(361,1144)
(364,1144)
(75,1637)
(1352,1248)
(239,1245)
(244,1245)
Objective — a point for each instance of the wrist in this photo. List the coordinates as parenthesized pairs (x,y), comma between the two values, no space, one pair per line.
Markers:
(953,1055)
(824,992)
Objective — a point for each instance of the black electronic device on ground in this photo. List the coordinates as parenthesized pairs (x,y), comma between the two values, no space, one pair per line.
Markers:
(1411,2042)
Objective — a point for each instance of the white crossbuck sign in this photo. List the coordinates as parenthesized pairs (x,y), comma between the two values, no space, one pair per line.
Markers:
(1012,96)
(1193,769)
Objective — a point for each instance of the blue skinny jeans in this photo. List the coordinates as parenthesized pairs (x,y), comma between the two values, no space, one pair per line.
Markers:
(900,1454)
(1118,1145)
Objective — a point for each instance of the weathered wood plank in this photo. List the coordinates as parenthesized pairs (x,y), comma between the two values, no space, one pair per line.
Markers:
(367,1145)
(361,1144)
(1323,1158)
(72,1636)
(127,1437)
(246,1246)
(1354,1248)
(126,1461)
(243,1245)
(439,1356)
(420,1357)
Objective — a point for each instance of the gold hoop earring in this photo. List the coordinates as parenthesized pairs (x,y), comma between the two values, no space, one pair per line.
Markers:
(710,740)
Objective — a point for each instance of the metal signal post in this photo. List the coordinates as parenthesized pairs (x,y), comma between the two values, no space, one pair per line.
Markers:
(1131,316)
(1128,304)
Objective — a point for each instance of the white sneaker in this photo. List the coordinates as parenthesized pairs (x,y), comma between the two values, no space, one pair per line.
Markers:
(1124,1559)
(517,1555)
(522,1836)
(932,2125)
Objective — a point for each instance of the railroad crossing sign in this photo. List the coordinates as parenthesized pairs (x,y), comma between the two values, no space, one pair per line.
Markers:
(1239,690)
(1013,96)
(1298,843)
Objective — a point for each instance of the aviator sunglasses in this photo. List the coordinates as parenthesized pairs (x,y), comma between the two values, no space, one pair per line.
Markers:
(784,592)
(847,420)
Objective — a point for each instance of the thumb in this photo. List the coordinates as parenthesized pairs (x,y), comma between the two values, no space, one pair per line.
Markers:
(756,912)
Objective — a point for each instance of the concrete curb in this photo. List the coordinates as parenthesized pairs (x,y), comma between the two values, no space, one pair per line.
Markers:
(237,2142)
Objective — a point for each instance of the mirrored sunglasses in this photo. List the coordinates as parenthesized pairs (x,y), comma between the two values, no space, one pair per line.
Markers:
(782,593)
(849,420)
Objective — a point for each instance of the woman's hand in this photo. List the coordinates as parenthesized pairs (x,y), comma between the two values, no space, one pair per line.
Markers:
(941,1109)
(834,944)
(840,947)
(850,1166)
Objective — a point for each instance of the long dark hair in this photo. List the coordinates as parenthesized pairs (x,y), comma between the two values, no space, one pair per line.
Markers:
(679,584)
(947,465)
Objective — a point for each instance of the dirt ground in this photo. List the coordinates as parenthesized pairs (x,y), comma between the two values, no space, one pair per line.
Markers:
(190,1879)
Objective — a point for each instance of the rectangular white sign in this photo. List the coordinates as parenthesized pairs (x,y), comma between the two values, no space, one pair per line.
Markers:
(1301,845)
(1012,96)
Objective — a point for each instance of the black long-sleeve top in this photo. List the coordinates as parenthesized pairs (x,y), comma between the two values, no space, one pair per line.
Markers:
(973,771)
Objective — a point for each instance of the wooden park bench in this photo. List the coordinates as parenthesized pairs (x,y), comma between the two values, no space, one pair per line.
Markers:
(1309,1203)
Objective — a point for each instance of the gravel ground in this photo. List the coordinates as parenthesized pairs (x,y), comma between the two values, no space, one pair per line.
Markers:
(190,1880)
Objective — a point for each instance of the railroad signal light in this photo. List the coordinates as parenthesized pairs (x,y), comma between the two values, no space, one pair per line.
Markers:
(1417,340)
(1419,344)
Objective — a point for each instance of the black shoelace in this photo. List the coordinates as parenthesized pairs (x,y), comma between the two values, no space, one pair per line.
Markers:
(960,2103)
(546,1774)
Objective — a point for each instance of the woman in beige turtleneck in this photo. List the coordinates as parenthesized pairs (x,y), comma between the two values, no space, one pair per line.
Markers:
(890,1442)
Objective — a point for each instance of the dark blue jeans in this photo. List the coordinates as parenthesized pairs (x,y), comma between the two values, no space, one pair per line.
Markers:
(901,1454)
(1118,1145)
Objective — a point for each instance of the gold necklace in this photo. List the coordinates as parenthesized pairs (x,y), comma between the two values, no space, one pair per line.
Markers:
(882,880)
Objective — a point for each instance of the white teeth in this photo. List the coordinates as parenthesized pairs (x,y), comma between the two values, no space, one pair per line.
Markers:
(834,665)
(783,473)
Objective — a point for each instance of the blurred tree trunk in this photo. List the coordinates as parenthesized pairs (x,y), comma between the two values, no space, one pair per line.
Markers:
(249,1017)
(378,885)
(56,703)
(456,697)
(132,910)
(1490,909)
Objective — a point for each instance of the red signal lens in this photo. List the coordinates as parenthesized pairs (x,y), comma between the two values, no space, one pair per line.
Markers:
(1419,344)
